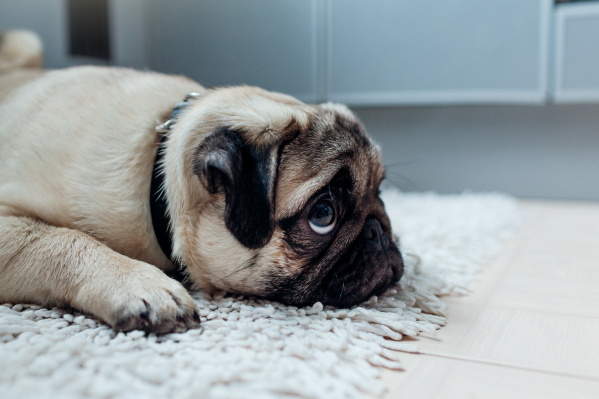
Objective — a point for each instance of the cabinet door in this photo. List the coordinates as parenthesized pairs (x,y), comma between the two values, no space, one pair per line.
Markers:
(438,51)
(267,43)
(577,53)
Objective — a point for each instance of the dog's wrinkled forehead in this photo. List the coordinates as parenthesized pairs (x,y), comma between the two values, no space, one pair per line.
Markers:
(334,141)
(264,117)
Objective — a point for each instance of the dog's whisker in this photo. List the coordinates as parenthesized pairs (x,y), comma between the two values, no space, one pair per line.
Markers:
(330,193)
(397,164)
(396,184)
(252,261)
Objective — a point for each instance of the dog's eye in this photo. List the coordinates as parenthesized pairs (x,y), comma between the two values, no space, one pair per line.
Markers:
(322,217)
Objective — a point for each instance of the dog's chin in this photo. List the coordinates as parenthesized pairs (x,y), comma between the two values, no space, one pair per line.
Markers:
(371,264)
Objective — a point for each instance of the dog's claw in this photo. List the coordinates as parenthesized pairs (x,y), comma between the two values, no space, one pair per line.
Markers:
(162,326)
(158,305)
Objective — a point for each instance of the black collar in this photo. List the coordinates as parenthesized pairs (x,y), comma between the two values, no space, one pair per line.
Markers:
(158,202)
(158,205)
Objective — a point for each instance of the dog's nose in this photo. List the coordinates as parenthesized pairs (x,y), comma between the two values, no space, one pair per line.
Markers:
(373,232)
(372,229)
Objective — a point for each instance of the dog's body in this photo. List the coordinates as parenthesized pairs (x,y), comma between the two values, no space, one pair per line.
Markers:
(77,149)
(244,170)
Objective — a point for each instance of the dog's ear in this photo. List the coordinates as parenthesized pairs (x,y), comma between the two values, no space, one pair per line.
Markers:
(246,175)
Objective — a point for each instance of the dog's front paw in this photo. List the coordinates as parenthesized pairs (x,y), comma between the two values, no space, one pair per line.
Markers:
(146,300)
(166,307)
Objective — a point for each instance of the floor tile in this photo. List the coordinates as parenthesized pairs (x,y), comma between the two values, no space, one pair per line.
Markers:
(530,327)
(438,378)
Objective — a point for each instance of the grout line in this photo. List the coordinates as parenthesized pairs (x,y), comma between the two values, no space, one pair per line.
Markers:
(544,312)
(513,366)
(518,240)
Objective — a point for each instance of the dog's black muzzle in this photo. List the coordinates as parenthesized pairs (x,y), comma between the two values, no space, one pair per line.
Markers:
(369,267)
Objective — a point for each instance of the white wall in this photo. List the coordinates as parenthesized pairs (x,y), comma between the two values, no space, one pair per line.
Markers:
(549,151)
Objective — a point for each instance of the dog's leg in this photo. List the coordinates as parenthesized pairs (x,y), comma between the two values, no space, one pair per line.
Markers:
(57,266)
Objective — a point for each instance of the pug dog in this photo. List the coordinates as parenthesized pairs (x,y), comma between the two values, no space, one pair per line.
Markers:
(245,190)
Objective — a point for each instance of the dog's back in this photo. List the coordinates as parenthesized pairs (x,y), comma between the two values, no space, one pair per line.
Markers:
(77,142)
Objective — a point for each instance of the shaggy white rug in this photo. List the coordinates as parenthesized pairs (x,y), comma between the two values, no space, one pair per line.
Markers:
(261,349)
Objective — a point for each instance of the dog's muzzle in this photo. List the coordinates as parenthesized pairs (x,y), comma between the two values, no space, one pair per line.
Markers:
(379,245)
(369,267)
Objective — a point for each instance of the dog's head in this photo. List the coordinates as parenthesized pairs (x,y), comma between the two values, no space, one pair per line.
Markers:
(272,197)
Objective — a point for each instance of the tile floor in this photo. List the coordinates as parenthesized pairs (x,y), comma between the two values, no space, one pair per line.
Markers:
(530,328)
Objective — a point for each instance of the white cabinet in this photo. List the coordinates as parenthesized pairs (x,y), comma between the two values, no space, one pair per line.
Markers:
(576,54)
(267,43)
(360,52)
(389,52)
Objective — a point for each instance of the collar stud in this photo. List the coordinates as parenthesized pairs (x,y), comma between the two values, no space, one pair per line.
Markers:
(177,109)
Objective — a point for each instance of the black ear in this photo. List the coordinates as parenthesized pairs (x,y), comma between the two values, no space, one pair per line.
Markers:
(246,176)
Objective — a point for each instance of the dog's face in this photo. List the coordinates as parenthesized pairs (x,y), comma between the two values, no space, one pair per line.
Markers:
(275,198)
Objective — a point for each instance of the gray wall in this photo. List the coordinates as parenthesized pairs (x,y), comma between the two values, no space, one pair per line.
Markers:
(549,151)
